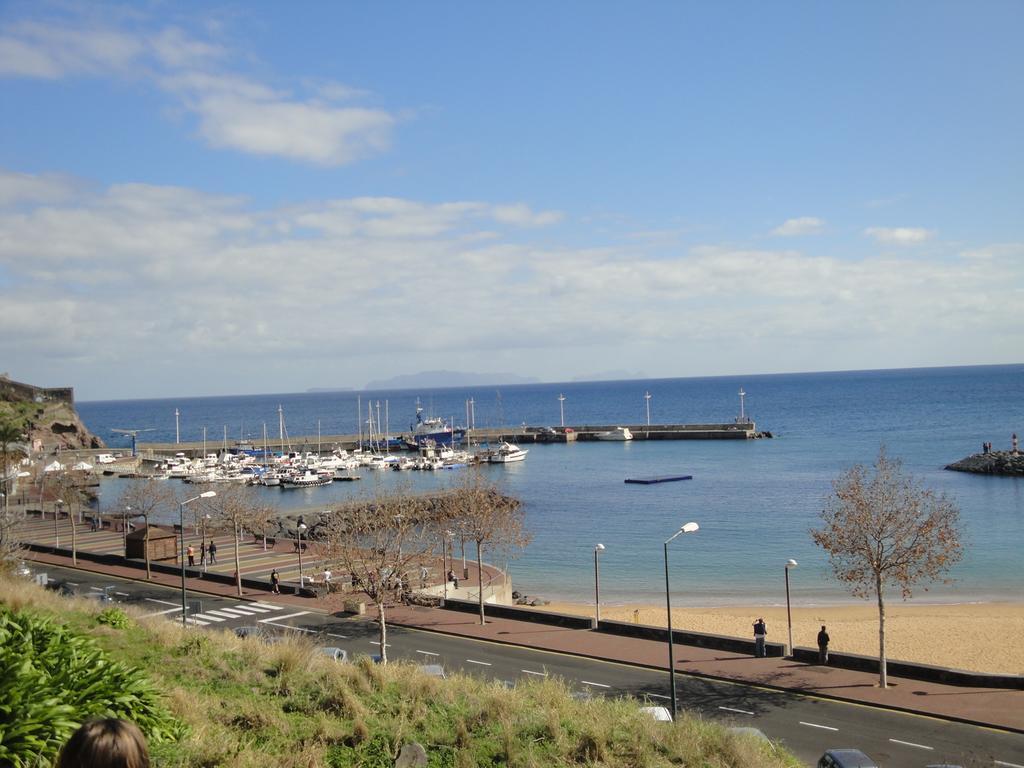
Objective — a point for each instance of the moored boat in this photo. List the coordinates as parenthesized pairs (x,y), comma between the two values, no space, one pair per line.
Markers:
(618,434)
(507,453)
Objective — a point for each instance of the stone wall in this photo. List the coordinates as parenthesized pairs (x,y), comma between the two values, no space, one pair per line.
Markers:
(20,392)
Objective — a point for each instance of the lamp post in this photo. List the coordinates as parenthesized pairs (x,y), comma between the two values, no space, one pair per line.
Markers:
(647,397)
(299,530)
(789,614)
(181,527)
(124,529)
(687,528)
(598,549)
(561,407)
(57,505)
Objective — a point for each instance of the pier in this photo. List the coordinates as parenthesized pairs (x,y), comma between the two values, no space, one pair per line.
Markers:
(738,430)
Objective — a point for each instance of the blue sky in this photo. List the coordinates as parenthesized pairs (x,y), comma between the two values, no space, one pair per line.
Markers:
(227,198)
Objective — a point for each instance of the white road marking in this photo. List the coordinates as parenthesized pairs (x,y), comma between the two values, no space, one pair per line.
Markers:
(910,744)
(235,612)
(161,613)
(162,602)
(98,589)
(206,617)
(268,606)
(250,608)
(72,583)
(815,725)
(218,613)
(599,685)
(343,637)
(377,642)
(198,623)
(531,672)
(282,618)
(289,626)
(481,663)
(1007,765)
(657,696)
(427,653)
(732,709)
(122,594)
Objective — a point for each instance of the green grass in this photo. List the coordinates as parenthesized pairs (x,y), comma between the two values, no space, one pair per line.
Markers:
(249,704)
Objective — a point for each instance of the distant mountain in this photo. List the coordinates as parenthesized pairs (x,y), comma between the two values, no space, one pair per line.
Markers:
(330,389)
(439,379)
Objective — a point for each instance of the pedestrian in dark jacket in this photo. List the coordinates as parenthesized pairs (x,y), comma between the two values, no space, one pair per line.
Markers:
(275,582)
(823,639)
(760,630)
(213,552)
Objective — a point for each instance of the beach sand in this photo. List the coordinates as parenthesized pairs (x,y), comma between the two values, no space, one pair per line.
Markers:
(983,637)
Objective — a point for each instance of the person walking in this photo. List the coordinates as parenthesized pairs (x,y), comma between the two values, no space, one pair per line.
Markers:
(823,640)
(213,552)
(191,552)
(275,582)
(760,630)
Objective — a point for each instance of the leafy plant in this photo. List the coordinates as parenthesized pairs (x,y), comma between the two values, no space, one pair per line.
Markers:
(53,679)
(114,617)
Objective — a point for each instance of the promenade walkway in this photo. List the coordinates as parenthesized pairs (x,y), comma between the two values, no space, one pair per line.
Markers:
(1000,708)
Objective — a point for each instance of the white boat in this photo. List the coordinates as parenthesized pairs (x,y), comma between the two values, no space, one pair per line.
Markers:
(307,479)
(507,453)
(619,433)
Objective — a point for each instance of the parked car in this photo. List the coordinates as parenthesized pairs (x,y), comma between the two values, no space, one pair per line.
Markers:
(661,714)
(845,758)
(338,654)
(434,670)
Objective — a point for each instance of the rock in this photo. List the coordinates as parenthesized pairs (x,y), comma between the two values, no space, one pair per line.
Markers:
(413,755)
(1004,463)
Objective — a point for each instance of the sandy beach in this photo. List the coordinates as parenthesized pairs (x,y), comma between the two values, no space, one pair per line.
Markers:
(976,636)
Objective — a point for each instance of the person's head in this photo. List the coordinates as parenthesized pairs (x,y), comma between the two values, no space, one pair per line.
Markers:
(822,627)
(105,744)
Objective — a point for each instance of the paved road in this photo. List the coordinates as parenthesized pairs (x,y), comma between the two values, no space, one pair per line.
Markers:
(805,725)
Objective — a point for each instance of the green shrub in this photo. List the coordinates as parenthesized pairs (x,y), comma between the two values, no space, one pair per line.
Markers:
(53,679)
(114,617)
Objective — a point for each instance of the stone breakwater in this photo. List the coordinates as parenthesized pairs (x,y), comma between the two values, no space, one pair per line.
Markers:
(992,463)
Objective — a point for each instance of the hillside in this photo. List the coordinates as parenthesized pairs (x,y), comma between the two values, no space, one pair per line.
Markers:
(47,416)
(223,701)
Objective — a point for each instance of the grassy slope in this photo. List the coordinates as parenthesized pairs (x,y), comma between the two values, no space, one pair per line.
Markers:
(249,704)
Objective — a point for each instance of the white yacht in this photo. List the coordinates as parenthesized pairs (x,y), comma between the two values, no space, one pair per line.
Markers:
(619,433)
(507,453)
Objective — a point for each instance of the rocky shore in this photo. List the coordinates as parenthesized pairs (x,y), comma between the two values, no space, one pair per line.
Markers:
(1007,463)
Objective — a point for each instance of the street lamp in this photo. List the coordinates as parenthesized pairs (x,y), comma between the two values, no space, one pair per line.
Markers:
(688,528)
(206,557)
(597,582)
(789,615)
(647,398)
(181,527)
(58,504)
(299,530)
(561,407)
(124,529)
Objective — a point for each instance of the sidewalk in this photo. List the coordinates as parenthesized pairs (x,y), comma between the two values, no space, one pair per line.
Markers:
(999,708)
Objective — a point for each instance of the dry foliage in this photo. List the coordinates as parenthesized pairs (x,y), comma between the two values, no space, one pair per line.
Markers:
(882,529)
(148,498)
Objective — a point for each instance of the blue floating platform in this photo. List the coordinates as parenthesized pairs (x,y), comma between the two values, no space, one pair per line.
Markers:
(658,479)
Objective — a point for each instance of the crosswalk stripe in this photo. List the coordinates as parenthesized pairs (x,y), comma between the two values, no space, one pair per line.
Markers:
(236,612)
(212,612)
(207,617)
(282,618)
(252,608)
(198,623)
(268,606)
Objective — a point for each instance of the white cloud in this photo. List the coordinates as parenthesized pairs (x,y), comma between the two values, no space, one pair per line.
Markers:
(26,187)
(215,278)
(899,235)
(521,215)
(805,225)
(233,111)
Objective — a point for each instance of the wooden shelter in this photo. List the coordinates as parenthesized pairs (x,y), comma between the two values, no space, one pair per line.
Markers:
(163,544)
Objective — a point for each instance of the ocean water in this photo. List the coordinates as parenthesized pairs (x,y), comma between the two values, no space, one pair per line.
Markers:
(755,501)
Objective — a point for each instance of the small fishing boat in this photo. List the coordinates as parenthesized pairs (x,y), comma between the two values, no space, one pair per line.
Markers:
(507,453)
(619,434)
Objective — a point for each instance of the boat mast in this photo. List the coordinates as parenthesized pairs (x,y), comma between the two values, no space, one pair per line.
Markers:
(359,420)
(280,425)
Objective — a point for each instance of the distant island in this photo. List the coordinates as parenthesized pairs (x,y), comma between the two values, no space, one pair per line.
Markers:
(616,375)
(329,389)
(439,379)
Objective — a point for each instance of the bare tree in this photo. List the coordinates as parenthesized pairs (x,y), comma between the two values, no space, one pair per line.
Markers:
(10,545)
(882,529)
(235,509)
(490,518)
(147,498)
(377,544)
(70,494)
